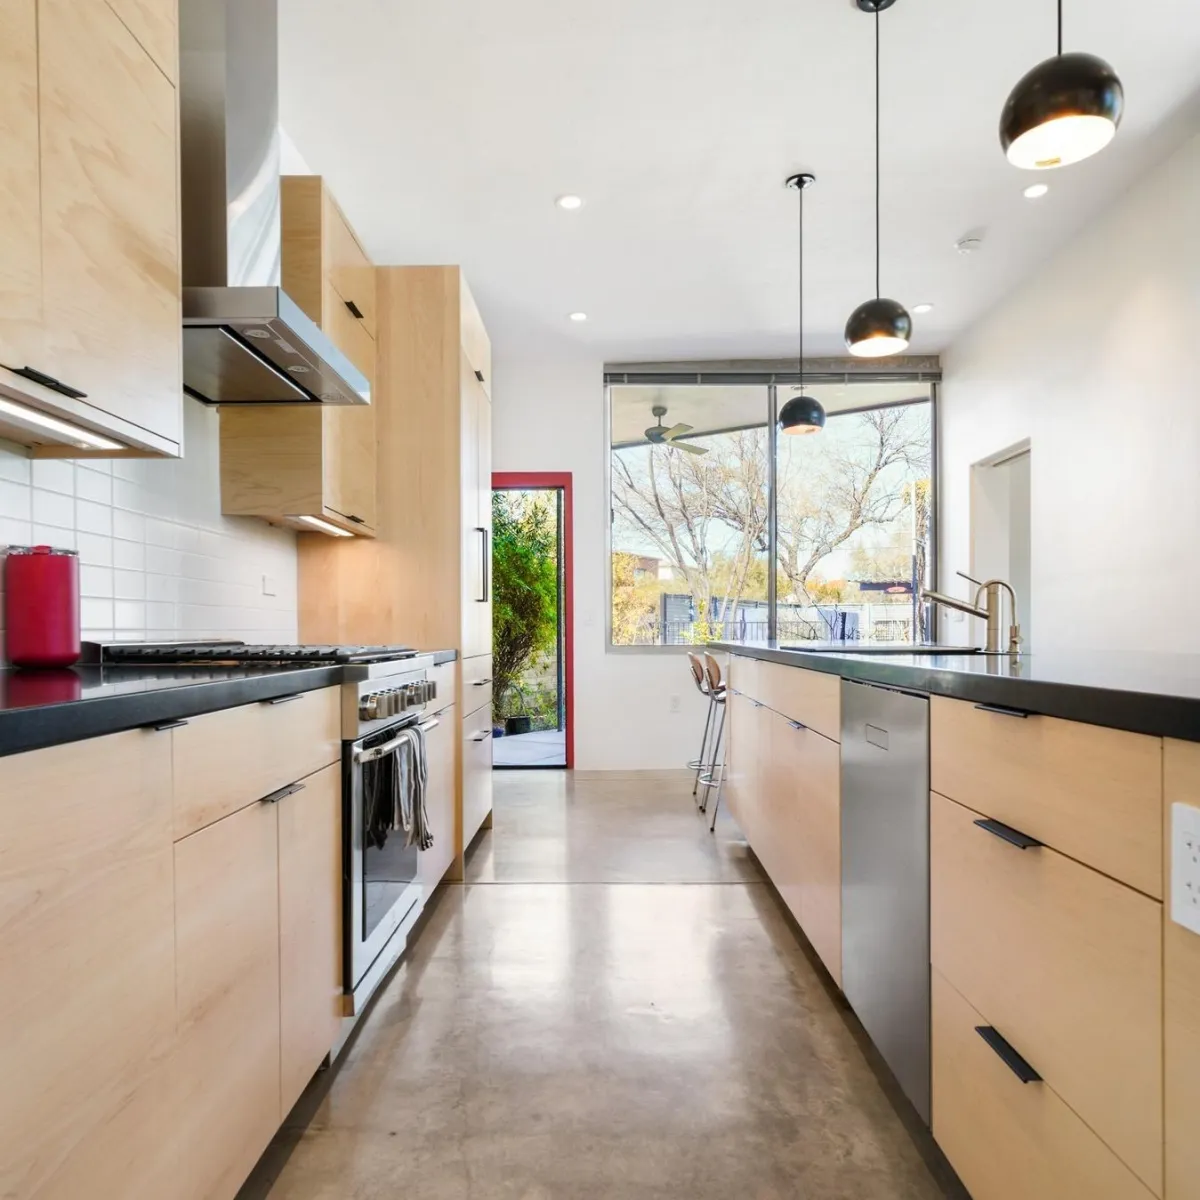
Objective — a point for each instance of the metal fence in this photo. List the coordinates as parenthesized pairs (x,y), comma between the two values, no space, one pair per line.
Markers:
(848,622)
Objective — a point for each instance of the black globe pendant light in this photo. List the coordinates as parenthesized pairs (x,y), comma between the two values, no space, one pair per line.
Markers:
(881,326)
(1065,110)
(802,413)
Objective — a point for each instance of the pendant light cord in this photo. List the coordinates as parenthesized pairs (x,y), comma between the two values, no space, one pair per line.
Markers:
(877,293)
(1060,42)
(800,358)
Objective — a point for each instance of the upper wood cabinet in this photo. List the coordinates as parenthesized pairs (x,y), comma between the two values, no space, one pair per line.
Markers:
(285,463)
(476,514)
(90,250)
(475,342)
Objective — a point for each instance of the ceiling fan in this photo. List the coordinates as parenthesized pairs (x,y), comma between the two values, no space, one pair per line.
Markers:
(660,435)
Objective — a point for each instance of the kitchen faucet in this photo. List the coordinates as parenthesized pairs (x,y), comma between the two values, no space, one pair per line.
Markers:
(990,612)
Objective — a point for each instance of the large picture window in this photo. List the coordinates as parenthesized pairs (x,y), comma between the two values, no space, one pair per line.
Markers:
(696,553)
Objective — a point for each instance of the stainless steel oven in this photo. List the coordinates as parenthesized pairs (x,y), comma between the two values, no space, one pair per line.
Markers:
(382,893)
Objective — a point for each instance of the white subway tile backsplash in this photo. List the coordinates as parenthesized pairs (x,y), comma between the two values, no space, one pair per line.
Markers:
(91,485)
(129,585)
(96,613)
(15,501)
(130,556)
(53,508)
(129,525)
(93,518)
(95,581)
(54,474)
(157,558)
(129,614)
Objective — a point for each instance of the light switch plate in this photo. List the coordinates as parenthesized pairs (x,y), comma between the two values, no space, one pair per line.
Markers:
(1185,866)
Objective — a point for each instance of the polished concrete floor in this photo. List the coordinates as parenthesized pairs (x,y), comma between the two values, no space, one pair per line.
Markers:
(612,1005)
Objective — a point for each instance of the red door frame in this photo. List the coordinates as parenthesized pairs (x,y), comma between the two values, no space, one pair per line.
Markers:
(556,479)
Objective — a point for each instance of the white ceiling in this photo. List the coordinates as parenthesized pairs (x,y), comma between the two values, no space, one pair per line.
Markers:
(447,128)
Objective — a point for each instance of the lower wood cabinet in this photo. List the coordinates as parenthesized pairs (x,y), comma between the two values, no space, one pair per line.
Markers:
(476,773)
(440,800)
(227,946)
(1010,1140)
(87,968)
(310,928)
(783,789)
(1067,964)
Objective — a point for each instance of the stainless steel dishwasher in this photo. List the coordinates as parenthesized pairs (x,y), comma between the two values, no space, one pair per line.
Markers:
(885,876)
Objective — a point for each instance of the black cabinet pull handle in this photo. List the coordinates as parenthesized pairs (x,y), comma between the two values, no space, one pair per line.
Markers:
(1002,710)
(168,725)
(479,376)
(284,699)
(290,790)
(48,381)
(1007,1055)
(485,557)
(355,311)
(798,726)
(1006,833)
(356,519)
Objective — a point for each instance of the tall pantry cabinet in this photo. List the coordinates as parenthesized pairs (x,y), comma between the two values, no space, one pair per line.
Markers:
(426,578)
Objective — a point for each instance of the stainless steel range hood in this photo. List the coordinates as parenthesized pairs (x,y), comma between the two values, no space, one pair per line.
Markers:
(245,341)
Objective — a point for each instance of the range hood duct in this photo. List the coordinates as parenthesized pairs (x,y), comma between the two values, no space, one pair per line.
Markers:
(245,341)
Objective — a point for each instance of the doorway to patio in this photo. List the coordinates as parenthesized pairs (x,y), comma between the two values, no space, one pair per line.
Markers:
(532,635)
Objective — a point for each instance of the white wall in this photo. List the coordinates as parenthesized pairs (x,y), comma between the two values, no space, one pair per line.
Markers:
(549,416)
(1096,359)
(157,559)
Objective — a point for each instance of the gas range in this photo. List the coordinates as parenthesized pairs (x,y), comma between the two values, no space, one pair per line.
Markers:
(212,653)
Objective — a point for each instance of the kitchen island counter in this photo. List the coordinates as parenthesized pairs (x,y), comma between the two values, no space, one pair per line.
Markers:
(1156,694)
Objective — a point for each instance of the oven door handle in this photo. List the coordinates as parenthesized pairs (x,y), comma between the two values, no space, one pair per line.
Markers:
(375,752)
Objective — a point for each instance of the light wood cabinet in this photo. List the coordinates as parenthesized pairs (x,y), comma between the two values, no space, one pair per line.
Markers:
(287,462)
(87,968)
(1091,793)
(476,774)
(227,936)
(784,790)
(91,188)
(227,760)
(310,928)
(1008,1139)
(1067,965)
(811,697)
(476,515)
(1181,980)
(441,749)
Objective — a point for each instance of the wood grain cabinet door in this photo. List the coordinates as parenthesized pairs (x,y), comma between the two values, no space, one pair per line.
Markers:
(476,455)
(87,965)
(20,188)
(349,454)
(310,928)
(110,216)
(155,24)
(440,800)
(227,947)
(477,773)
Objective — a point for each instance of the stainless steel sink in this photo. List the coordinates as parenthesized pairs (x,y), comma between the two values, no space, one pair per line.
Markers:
(875,648)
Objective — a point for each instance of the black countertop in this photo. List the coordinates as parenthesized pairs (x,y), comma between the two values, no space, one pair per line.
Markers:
(1157,694)
(48,708)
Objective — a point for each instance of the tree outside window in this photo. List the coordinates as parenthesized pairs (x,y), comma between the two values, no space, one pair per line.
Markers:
(690,532)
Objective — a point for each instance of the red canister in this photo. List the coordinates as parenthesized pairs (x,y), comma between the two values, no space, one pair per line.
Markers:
(41,606)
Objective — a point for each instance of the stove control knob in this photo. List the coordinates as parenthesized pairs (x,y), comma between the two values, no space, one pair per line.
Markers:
(432,685)
(395,703)
(368,708)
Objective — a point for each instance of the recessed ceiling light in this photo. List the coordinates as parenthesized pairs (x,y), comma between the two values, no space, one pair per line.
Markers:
(921,309)
(1035,191)
(578,316)
(968,244)
(569,202)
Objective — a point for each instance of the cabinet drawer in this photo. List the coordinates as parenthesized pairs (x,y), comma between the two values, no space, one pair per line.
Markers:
(477,683)
(1008,1139)
(444,678)
(1093,793)
(742,676)
(476,775)
(226,760)
(810,697)
(1067,964)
